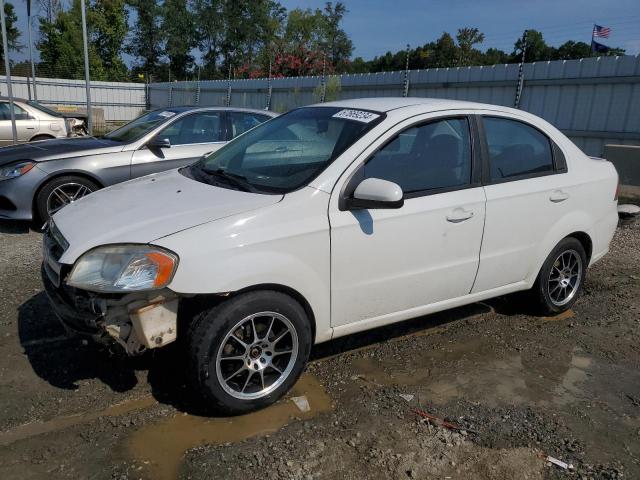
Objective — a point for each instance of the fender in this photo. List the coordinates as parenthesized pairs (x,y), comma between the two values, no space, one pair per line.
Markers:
(245,250)
(572,222)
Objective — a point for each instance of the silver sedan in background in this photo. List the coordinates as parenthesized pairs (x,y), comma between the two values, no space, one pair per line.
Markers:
(38,179)
(36,122)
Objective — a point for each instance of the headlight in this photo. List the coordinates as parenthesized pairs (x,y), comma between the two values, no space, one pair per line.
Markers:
(123,268)
(15,170)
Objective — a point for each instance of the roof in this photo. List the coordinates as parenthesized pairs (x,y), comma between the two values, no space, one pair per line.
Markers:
(15,99)
(193,108)
(386,104)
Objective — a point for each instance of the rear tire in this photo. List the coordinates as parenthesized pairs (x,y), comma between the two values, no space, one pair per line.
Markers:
(561,277)
(247,352)
(50,197)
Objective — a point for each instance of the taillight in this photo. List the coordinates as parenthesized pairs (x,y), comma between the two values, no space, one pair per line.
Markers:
(615,197)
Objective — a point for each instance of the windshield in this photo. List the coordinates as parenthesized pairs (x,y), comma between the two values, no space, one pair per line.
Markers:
(287,152)
(44,109)
(140,126)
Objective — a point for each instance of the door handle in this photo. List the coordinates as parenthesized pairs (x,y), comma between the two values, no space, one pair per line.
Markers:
(558,196)
(459,215)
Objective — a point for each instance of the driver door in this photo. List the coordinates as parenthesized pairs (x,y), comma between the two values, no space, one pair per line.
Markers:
(388,263)
(191,136)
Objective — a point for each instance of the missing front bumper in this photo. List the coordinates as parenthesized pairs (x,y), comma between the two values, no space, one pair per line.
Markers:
(136,321)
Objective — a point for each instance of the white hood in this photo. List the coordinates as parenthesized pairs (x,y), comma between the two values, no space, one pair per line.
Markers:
(148,208)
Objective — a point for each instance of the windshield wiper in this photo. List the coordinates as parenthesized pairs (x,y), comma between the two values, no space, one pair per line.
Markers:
(234,179)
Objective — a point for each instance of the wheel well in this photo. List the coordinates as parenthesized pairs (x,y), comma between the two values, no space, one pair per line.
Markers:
(41,136)
(193,305)
(84,175)
(586,242)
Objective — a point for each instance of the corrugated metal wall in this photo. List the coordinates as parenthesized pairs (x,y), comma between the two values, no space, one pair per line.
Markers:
(120,101)
(596,101)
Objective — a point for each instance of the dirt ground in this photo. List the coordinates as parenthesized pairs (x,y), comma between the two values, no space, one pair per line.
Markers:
(516,387)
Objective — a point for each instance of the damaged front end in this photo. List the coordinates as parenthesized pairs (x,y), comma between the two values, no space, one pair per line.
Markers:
(136,321)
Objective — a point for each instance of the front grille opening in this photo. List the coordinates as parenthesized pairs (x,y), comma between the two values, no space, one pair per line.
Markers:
(6,204)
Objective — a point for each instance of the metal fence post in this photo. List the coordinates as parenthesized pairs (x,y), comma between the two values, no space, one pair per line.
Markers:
(5,47)
(516,103)
(227,101)
(323,82)
(86,67)
(405,86)
(198,88)
(269,88)
(33,68)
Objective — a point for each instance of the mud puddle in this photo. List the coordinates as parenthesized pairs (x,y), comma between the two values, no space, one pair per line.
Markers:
(477,373)
(34,429)
(161,446)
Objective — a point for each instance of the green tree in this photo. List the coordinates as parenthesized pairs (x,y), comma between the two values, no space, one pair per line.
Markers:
(467,37)
(208,32)
(61,46)
(177,27)
(13,34)
(536,48)
(108,23)
(145,43)
(334,39)
(445,53)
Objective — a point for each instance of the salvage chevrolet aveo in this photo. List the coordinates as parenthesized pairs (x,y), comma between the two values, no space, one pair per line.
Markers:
(329,220)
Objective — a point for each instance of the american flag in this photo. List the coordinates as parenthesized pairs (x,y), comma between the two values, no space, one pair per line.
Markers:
(601,32)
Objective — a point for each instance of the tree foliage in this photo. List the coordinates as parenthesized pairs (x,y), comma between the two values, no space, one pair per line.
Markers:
(13,34)
(185,39)
(61,43)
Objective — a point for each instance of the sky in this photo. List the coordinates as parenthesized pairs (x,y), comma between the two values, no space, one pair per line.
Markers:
(378,26)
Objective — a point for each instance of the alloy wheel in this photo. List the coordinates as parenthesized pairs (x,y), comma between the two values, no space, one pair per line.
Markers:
(565,277)
(257,355)
(65,194)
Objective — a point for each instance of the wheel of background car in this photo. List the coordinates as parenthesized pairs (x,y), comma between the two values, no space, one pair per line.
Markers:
(61,191)
(37,138)
(248,351)
(561,278)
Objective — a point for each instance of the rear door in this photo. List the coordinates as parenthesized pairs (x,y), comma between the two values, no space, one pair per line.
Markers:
(191,136)
(526,194)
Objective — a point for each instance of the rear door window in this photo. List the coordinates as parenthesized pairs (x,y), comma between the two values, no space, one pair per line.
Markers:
(516,149)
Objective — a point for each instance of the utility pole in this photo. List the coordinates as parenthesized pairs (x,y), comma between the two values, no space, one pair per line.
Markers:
(33,68)
(86,67)
(5,46)
(516,103)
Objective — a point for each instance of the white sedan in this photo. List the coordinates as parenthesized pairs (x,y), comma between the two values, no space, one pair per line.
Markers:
(329,220)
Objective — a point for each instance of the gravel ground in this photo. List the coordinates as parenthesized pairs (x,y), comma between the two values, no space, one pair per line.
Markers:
(507,389)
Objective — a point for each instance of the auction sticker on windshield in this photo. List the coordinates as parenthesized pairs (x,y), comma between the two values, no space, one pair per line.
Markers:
(358,115)
(167,114)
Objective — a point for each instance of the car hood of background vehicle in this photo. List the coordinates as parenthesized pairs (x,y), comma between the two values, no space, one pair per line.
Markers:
(58,148)
(148,208)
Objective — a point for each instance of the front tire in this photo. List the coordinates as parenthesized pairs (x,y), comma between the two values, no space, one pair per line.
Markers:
(248,351)
(61,191)
(561,277)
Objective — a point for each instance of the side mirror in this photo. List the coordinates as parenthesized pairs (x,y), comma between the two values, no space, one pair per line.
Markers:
(376,193)
(159,142)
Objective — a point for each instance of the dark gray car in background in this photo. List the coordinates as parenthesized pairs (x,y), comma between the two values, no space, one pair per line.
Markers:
(39,178)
